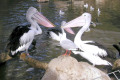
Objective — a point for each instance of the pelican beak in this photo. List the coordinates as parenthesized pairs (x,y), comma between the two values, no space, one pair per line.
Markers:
(69,30)
(42,20)
(77,22)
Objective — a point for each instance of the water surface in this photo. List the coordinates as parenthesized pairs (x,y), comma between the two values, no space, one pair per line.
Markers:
(12,13)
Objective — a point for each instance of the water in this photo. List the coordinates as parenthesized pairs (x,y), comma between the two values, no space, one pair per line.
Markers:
(12,13)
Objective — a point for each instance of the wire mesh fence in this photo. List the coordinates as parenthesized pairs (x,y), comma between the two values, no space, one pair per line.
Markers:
(115,74)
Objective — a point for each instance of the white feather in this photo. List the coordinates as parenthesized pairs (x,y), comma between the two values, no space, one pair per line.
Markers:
(25,41)
(95,60)
(55,36)
(27,37)
(67,43)
(92,49)
(88,42)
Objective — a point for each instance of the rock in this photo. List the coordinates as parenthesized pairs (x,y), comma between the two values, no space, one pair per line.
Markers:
(68,68)
(116,65)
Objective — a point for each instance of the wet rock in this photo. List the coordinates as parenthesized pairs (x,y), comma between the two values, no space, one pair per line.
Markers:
(116,65)
(68,68)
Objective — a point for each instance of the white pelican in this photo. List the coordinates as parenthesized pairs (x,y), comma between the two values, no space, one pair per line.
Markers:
(66,43)
(92,52)
(22,36)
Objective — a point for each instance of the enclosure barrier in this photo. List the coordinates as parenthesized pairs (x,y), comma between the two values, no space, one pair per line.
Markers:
(116,77)
(117,71)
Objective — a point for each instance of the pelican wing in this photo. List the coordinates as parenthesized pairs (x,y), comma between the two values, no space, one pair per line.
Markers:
(95,60)
(94,49)
(13,40)
(27,37)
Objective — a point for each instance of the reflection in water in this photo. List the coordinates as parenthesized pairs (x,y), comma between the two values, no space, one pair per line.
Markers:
(12,13)
(2,71)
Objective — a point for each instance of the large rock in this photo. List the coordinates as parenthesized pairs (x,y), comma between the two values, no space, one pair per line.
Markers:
(68,68)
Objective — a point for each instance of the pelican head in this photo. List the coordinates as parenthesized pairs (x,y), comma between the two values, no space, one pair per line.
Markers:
(80,21)
(33,14)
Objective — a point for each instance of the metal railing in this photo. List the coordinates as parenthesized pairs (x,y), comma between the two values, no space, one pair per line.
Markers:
(111,73)
(117,71)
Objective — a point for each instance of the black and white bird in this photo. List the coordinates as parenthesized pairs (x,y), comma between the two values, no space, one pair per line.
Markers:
(56,32)
(22,36)
(91,50)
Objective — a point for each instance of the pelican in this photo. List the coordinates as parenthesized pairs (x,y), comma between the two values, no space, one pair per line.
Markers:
(91,51)
(22,36)
(66,43)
